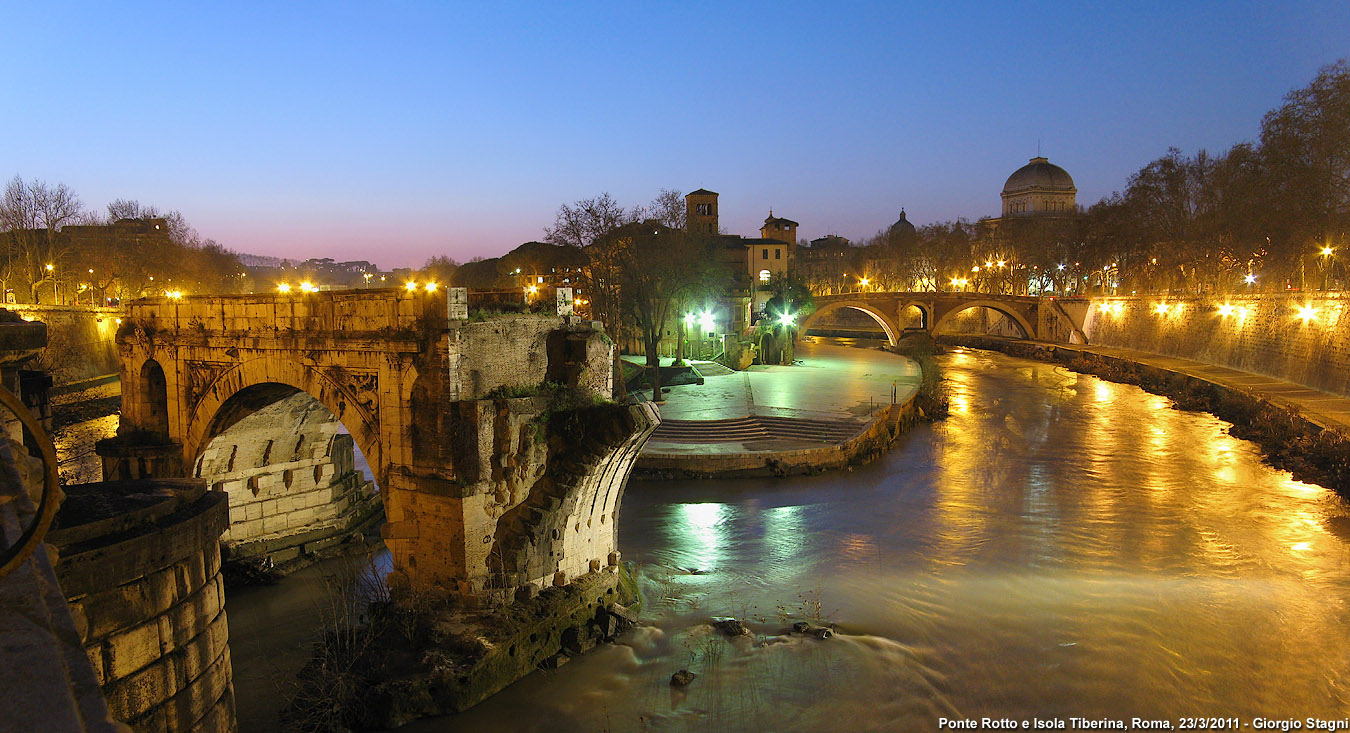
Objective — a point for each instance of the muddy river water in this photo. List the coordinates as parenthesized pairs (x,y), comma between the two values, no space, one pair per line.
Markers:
(1059,546)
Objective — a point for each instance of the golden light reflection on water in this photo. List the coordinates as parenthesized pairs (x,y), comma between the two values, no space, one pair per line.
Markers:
(1042,549)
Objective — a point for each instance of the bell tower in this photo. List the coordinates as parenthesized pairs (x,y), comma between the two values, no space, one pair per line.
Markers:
(701,212)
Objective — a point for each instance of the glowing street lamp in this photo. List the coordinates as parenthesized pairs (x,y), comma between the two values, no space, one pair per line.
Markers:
(706,321)
(431,287)
(788,319)
(862,282)
(284,287)
(307,286)
(410,286)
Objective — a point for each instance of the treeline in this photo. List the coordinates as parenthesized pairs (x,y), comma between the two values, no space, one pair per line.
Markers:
(1266,215)
(53,250)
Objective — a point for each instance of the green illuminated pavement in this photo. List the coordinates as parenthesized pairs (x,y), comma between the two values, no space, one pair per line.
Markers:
(832,383)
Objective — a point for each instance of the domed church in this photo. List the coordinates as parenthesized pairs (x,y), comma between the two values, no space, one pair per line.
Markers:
(1039,187)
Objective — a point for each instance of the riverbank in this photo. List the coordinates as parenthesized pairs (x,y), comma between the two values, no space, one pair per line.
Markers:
(838,406)
(1299,429)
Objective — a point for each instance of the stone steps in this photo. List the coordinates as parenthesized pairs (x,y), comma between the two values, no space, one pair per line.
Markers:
(711,369)
(755,427)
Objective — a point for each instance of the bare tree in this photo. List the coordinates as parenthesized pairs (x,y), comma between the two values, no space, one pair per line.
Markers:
(586,221)
(668,208)
(32,213)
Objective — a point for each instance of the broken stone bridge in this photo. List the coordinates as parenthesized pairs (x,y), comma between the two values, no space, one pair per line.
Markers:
(500,464)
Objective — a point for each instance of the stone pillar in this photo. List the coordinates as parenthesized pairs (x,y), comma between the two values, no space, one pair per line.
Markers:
(139,566)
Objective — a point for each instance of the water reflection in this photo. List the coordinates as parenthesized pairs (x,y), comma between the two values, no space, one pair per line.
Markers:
(1059,546)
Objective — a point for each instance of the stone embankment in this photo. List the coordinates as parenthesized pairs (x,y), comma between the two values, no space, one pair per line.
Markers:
(1303,338)
(81,340)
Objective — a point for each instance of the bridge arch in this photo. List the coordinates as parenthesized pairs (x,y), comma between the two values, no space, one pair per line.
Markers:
(204,420)
(269,433)
(925,312)
(154,393)
(1027,328)
(891,329)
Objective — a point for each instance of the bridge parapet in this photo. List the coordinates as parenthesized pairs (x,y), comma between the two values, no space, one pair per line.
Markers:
(387,311)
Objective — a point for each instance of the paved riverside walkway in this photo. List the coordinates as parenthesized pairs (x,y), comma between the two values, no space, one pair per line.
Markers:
(1325,409)
(829,396)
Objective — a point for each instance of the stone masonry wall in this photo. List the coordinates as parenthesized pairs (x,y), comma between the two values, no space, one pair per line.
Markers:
(80,340)
(288,472)
(524,350)
(1265,334)
(146,594)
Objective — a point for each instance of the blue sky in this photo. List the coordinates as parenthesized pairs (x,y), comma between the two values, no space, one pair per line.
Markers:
(396,131)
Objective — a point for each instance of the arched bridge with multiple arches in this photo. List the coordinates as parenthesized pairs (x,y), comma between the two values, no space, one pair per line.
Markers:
(1040,318)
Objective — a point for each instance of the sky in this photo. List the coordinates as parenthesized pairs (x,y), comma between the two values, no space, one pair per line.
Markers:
(396,131)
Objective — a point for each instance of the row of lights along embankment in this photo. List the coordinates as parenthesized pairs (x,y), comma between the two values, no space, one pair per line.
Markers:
(1305,312)
(309,287)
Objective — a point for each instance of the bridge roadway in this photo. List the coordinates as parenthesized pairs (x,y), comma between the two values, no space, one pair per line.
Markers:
(1041,318)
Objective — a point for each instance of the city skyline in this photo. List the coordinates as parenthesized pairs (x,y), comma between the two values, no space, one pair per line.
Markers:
(421,131)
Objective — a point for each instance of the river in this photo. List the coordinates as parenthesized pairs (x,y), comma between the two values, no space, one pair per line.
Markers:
(1059,546)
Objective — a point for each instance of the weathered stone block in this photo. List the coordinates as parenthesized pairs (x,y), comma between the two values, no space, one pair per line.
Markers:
(130,650)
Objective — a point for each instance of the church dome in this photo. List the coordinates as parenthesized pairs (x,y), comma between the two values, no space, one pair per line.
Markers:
(1039,175)
(902,225)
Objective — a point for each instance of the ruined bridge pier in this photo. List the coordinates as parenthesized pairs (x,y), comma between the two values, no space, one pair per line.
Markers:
(485,489)
(1051,319)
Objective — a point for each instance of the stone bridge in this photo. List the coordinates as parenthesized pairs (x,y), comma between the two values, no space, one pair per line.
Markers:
(499,467)
(1040,318)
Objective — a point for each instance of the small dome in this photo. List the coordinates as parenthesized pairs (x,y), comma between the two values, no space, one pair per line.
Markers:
(1039,175)
(902,225)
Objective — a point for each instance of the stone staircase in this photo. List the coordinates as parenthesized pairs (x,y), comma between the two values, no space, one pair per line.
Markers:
(755,427)
(710,368)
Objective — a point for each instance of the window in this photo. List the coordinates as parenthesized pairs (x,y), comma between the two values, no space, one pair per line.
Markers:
(777,253)
(704,209)
(766,254)
(764,276)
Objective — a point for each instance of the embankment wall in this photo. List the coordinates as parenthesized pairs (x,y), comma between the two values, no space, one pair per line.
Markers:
(79,340)
(1300,338)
